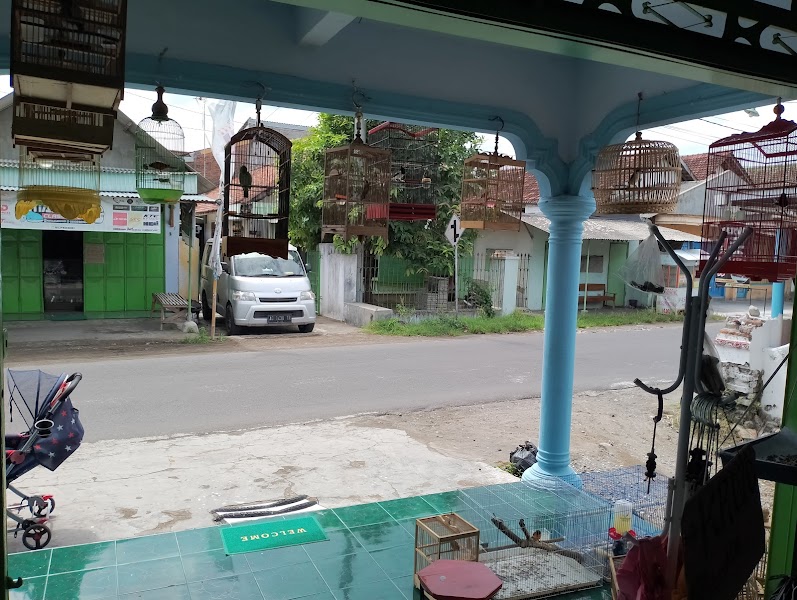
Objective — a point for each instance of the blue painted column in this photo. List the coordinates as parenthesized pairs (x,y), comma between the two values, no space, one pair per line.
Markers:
(778,288)
(567,215)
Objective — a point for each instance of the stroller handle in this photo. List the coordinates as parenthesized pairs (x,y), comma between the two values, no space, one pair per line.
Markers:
(70,383)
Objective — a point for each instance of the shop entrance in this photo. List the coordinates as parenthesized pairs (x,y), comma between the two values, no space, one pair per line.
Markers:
(62,257)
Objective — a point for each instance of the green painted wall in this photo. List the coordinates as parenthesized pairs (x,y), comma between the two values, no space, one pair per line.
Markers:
(618,255)
(22,271)
(132,269)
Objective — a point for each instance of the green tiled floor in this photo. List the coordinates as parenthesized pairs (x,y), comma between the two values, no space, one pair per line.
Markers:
(368,556)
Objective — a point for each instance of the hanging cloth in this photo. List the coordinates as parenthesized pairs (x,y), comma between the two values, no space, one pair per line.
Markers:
(642,574)
(723,531)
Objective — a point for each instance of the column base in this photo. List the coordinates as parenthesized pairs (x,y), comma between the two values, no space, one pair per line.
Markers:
(568,475)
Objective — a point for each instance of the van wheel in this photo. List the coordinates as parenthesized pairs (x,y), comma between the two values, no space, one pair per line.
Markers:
(306,328)
(206,314)
(229,319)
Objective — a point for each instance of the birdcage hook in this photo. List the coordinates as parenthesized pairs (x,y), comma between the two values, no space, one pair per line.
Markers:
(499,130)
(259,99)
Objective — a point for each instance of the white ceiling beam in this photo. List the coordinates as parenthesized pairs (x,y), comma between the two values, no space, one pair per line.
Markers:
(316,27)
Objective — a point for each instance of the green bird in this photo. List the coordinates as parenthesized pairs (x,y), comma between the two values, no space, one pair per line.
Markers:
(245,180)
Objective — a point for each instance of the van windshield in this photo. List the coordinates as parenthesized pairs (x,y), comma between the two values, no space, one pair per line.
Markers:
(255,264)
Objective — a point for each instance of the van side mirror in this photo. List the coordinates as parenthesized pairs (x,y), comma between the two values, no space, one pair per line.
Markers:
(225,267)
(308,268)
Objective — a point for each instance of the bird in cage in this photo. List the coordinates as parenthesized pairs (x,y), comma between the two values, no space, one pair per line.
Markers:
(399,177)
(160,166)
(245,180)
(634,179)
(426,181)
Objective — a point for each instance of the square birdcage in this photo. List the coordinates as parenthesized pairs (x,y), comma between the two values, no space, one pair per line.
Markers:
(492,192)
(414,167)
(257,184)
(541,538)
(67,183)
(356,191)
(70,52)
(752,182)
(447,537)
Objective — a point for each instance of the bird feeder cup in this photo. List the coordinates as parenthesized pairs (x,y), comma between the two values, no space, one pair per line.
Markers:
(492,192)
(640,176)
(752,182)
(160,166)
(257,184)
(67,184)
(356,191)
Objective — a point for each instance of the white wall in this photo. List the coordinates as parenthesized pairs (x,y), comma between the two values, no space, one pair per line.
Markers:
(340,281)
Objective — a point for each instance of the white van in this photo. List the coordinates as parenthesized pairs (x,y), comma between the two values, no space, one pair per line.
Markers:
(257,290)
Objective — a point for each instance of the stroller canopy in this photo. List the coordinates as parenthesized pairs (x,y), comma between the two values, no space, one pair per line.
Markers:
(31,393)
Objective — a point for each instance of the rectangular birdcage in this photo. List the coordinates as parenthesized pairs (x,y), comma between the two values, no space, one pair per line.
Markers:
(542,538)
(492,192)
(69,51)
(356,191)
(752,182)
(446,537)
(257,189)
(414,168)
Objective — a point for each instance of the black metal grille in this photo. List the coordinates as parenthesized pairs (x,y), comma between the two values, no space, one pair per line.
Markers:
(282,300)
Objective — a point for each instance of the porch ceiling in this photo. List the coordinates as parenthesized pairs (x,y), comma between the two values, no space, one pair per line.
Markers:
(560,99)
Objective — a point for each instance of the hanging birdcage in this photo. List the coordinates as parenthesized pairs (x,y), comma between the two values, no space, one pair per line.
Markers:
(71,52)
(257,183)
(66,183)
(492,192)
(640,176)
(160,166)
(356,190)
(414,168)
(752,182)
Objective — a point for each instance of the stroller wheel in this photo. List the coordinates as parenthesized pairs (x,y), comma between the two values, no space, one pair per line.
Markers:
(44,506)
(36,536)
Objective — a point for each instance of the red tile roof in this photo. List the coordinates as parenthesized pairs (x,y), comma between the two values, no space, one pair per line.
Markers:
(531,189)
(697,164)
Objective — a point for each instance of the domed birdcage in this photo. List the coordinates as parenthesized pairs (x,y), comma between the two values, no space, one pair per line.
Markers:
(67,183)
(160,163)
(752,182)
(640,176)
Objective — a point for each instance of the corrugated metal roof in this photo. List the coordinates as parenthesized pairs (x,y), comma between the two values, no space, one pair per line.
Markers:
(614,230)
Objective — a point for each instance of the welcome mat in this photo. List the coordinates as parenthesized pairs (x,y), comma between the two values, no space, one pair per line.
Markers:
(254,537)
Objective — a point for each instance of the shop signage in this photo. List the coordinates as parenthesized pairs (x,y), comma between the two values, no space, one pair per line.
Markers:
(129,215)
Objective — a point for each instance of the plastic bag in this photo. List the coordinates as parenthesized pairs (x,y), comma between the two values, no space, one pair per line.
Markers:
(524,456)
(643,270)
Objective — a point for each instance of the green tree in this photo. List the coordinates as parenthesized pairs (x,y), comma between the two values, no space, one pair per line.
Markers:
(422,244)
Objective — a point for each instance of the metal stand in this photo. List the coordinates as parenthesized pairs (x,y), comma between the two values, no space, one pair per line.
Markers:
(689,371)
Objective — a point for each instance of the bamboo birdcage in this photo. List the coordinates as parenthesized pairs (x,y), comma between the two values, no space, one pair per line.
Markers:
(414,167)
(752,182)
(640,176)
(257,184)
(492,192)
(356,191)
(66,183)
(446,536)
(160,166)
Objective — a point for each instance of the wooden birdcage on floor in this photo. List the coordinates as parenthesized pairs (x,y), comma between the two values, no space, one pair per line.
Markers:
(160,166)
(257,184)
(446,536)
(356,190)
(66,183)
(640,176)
(414,168)
(492,192)
(752,182)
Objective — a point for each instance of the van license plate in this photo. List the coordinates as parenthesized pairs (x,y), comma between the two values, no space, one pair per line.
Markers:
(278,318)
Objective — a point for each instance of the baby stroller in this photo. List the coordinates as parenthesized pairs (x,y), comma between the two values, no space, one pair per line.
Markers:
(53,434)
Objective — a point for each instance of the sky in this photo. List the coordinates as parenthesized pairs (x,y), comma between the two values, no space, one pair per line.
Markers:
(691,137)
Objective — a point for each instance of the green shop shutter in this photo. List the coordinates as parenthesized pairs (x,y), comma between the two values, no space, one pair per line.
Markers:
(22,272)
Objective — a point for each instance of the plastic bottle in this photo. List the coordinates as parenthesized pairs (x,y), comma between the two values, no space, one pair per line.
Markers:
(623,510)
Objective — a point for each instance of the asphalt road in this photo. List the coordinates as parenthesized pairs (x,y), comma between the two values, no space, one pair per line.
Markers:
(229,391)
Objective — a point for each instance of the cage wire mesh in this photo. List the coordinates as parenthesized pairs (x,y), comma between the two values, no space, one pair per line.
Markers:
(160,163)
(414,167)
(541,538)
(257,185)
(81,41)
(752,181)
(67,183)
(492,192)
(640,176)
(356,191)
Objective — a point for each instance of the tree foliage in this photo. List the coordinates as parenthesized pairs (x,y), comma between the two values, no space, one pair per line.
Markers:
(421,243)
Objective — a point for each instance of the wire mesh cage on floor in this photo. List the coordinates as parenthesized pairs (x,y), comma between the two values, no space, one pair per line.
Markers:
(752,181)
(541,538)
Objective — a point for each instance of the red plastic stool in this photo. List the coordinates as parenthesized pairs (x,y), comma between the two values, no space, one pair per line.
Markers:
(458,580)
